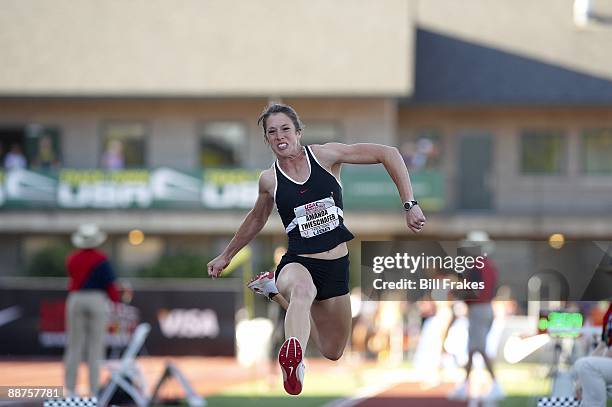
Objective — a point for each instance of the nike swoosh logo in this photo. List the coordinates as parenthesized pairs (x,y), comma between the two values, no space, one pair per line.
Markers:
(303,191)
(517,349)
(10,314)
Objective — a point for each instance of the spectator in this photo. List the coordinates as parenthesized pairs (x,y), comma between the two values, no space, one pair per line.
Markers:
(14,159)
(113,158)
(480,313)
(46,157)
(424,148)
(593,373)
(407,151)
(87,311)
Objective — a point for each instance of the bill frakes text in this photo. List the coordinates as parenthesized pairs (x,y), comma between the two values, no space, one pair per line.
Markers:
(428,284)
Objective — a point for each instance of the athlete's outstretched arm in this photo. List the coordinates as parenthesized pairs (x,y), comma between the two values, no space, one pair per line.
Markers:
(249,228)
(335,154)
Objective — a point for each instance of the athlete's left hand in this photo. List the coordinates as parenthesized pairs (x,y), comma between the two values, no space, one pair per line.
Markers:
(415,220)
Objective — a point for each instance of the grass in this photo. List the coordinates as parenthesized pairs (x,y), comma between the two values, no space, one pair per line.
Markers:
(276,401)
(523,385)
(524,380)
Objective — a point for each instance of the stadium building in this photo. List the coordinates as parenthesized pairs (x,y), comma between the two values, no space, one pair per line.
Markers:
(142,115)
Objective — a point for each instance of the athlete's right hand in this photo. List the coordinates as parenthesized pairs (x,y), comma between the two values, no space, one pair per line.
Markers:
(217,265)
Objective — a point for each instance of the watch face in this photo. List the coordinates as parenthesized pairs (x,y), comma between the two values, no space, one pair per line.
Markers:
(408,205)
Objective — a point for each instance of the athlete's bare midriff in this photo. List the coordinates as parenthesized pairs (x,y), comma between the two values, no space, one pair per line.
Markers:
(339,251)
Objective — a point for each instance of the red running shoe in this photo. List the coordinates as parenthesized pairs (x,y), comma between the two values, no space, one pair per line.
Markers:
(292,365)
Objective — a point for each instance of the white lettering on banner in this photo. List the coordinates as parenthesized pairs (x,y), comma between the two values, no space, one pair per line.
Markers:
(315,218)
(238,195)
(104,195)
(168,184)
(52,339)
(30,186)
(188,323)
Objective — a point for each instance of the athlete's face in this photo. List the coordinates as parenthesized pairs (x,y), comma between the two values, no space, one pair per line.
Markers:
(281,134)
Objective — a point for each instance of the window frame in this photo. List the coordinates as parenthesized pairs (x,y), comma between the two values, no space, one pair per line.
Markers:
(106,123)
(582,151)
(562,133)
(242,157)
(56,139)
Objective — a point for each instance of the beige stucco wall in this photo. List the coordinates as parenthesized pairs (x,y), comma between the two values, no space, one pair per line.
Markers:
(542,30)
(206,47)
(268,47)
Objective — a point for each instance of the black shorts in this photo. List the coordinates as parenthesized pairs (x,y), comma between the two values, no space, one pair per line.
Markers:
(330,277)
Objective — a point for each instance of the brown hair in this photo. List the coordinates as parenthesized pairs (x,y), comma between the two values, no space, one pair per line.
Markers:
(279,108)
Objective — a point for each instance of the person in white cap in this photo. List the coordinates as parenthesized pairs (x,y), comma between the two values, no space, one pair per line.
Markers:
(91,283)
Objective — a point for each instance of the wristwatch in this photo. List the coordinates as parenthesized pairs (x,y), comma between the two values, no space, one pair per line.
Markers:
(408,205)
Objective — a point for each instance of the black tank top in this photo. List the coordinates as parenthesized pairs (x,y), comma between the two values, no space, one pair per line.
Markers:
(311,211)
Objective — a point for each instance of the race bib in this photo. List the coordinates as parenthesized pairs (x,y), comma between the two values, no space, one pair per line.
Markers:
(317,217)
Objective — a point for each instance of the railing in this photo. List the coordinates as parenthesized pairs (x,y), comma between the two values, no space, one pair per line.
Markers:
(212,189)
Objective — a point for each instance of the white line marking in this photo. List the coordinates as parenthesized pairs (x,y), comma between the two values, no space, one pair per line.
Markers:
(365,393)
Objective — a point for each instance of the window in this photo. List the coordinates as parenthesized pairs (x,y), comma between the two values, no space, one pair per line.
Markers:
(423,150)
(542,152)
(222,144)
(43,147)
(33,145)
(321,133)
(597,151)
(123,146)
(12,142)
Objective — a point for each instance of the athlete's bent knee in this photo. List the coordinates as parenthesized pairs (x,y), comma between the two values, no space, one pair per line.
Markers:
(333,354)
(304,291)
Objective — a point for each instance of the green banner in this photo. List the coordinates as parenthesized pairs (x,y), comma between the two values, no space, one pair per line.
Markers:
(364,188)
(371,187)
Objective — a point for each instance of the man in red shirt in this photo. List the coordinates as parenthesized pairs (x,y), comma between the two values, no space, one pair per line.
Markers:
(91,283)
